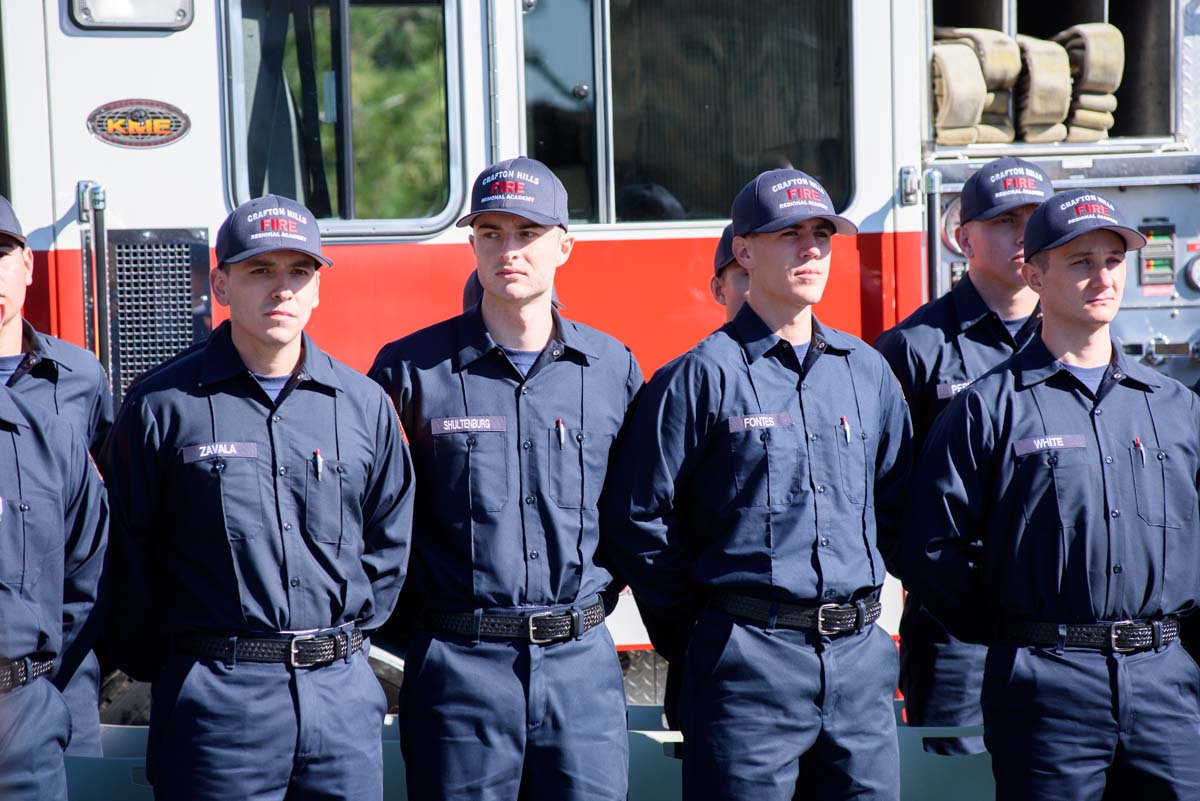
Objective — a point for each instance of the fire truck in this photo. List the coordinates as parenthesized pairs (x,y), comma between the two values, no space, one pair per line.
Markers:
(131,128)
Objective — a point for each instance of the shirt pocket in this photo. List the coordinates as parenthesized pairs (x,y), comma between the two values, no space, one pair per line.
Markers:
(852,462)
(1053,485)
(239,488)
(765,466)
(329,499)
(471,466)
(1165,495)
(578,467)
(30,533)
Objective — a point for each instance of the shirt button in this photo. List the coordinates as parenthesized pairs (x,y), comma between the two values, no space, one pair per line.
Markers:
(1117,376)
(1099,411)
(812,437)
(804,386)
(283,471)
(533,554)
(275,419)
(764,436)
(287,526)
(1161,456)
(1115,513)
(1108,460)
(526,444)
(1117,568)
(824,540)
(556,353)
(524,390)
(295,582)
(24,507)
(529,500)
(820,488)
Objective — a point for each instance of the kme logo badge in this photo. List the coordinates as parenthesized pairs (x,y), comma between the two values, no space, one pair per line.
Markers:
(138,123)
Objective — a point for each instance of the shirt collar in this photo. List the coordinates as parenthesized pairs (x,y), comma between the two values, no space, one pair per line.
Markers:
(475,342)
(969,307)
(9,413)
(44,348)
(758,340)
(221,361)
(1035,364)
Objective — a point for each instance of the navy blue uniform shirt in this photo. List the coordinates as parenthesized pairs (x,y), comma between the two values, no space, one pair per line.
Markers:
(507,514)
(744,469)
(67,379)
(59,376)
(53,532)
(226,522)
(938,350)
(1034,500)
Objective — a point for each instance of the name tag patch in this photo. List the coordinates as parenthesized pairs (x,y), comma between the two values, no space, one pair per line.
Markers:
(947,391)
(1048,443)
(225,450)
(750,422)
(453,425)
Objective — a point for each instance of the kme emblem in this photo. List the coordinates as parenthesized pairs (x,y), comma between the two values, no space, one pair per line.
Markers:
(138,123)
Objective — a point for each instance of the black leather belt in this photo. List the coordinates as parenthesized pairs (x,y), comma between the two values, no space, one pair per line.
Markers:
(1120,637)
(540,629)
(296,650)
(827,619)
(19,672)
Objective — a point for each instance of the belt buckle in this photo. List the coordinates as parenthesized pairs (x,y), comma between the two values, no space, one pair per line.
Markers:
(821,629)
(1113,633)
(294,651)
(533,638)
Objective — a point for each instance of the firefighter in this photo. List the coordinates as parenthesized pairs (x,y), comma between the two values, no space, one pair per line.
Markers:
(1054,518)
(512,683)
(262,502)
(66,380)
(53,529)
(755,492)
(937,352)
(729,283)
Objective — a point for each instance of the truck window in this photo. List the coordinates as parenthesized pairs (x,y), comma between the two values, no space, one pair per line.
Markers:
(345,105)
(696,97)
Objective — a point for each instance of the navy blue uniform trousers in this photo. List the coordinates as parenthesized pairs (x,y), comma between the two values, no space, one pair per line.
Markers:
(477,716)
(264,732)
(1082,724)
(772,714)
(35,726)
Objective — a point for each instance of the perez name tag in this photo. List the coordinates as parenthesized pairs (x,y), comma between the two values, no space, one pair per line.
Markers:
(947,391)
(226,450)
(1023,447)
(454,425)
(750,422)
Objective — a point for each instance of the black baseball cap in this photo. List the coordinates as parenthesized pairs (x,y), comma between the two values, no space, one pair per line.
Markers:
(9,224)
(724,255)
(779,198)
(1003,185)
(267,224)
(1072,214)
(521,186)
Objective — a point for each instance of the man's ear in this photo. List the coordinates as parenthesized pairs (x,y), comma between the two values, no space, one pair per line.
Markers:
(219,279)
(717,288)
(741,252)
(963,237)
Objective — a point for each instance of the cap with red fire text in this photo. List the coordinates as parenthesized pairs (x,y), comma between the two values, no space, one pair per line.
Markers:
(777,199)
(9,224)
(521,186)
(267,224)
(1072,214)
(1003,185)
